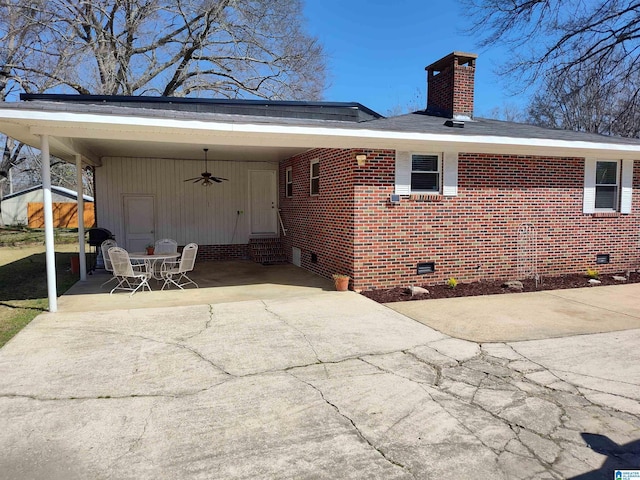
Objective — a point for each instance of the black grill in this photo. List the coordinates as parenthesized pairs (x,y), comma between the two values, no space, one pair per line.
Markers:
(98,235)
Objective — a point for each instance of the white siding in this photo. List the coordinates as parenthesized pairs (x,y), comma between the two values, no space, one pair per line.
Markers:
(186,212)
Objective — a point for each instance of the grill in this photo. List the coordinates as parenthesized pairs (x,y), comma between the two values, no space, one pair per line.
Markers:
(98,235)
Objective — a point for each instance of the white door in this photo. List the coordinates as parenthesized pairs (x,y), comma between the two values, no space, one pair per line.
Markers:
(263,202)
(139,222)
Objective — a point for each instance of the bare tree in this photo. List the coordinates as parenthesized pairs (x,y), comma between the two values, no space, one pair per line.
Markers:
(217,48)
(589,100)
(228,48)
(560,35)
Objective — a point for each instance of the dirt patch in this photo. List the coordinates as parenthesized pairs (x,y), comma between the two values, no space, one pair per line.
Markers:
(494,287)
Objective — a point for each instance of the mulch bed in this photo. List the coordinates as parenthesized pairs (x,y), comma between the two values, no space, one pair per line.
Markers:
(493,287)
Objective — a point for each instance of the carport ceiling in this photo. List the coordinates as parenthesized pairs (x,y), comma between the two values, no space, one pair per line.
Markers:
(144,149)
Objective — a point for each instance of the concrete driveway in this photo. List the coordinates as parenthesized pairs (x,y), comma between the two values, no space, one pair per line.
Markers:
(330,385)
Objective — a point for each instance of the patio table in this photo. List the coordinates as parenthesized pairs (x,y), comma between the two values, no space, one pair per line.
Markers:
(154,262)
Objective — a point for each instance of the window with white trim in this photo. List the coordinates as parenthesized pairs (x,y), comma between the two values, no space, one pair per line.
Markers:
(288,182)
(314,177)
(607,185)
(425,173)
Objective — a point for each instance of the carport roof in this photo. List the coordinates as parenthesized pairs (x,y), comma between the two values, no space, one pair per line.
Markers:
(238,129)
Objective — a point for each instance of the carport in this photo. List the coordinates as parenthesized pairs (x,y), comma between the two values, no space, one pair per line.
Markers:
(154,135)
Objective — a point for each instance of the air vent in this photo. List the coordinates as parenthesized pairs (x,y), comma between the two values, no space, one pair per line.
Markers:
(424,268)
(602,258)
(454,123)
(394,198)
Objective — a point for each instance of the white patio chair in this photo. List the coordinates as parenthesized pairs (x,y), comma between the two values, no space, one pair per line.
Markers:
(179,268)
(104,247)
(166,245)
(130,277)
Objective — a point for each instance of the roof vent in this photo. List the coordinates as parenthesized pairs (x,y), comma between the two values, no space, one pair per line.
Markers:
(454,123)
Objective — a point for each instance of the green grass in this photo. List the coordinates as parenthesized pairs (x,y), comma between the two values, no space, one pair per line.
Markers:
(17,236)
(23,283)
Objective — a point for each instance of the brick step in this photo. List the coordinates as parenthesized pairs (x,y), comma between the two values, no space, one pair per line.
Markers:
(267,250)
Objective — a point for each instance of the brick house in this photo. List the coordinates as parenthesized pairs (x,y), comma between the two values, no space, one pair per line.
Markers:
(337,188)
(460,208)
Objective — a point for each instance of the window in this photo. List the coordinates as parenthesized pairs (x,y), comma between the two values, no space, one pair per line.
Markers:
(314,176)
(288,182)
(607,185)
(425,173)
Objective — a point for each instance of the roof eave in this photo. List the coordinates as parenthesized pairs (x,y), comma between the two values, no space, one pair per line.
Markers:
(68,125)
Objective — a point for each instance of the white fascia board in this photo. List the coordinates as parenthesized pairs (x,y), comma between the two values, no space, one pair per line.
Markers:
(46,122)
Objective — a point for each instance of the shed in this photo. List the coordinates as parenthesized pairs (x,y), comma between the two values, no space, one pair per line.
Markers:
(16,208)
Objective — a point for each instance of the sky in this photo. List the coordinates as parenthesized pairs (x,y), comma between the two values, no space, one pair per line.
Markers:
(377,51)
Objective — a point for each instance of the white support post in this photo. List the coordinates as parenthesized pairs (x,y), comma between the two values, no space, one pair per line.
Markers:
(48,224)
(81,253)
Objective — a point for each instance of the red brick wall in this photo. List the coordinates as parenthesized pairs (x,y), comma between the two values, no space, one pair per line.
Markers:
(471,236)
(474,235)
(222,252)
(322,224)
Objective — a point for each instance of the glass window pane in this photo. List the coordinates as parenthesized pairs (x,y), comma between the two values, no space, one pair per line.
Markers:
(315,186)
(424,163)
(606,173)
(289,172)
(315,169)
(425,182)
(289,190)
(606,197)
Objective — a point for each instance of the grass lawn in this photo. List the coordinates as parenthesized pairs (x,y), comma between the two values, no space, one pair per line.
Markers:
(23,281)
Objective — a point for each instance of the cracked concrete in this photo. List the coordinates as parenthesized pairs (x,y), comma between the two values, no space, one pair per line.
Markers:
(330,386)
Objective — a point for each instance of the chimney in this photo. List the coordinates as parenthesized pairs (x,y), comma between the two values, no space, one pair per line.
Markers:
(450,85)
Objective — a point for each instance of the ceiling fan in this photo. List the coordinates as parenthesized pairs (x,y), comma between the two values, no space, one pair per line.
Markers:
(205,177)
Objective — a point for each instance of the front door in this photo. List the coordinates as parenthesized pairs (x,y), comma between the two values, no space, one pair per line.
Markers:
(263,202)
(139,222)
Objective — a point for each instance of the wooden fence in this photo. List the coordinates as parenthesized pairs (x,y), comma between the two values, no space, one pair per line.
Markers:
(65,215)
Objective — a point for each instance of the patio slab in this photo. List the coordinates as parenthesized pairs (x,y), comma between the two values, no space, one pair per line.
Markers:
(219,282)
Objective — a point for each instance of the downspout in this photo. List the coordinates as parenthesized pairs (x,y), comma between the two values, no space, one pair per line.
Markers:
(83,258)
(48,224)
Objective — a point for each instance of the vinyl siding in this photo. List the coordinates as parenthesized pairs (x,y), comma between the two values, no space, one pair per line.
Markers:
(184,211)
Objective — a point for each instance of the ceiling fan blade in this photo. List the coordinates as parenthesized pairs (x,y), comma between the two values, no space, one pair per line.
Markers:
(191,179)
(219,179)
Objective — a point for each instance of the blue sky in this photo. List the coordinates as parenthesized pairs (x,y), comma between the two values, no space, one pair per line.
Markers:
(377,51)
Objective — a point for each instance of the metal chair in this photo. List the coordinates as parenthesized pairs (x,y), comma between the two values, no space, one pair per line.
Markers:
(180,268)
(130,277)
(104,247)
(166,245)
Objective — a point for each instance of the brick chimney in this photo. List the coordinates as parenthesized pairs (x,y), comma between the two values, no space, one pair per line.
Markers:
(450,85)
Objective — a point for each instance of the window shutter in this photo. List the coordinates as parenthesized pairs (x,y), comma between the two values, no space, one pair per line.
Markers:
(403,173)
(589,199)
(627,186)
(450,174)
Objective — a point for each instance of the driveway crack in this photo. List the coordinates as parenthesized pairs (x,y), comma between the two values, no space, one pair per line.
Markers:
(271,312)
(358,431)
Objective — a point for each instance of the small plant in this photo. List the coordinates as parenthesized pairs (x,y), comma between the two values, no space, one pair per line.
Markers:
(592,273)
(452,283)
(336,276)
